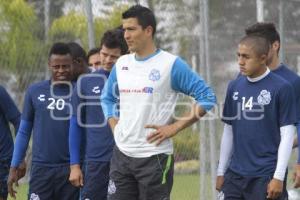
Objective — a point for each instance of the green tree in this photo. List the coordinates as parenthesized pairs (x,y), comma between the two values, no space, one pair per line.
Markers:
(73,26)
(21,52)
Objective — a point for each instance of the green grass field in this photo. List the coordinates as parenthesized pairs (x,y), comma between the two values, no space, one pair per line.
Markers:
(22,192)
(186,187)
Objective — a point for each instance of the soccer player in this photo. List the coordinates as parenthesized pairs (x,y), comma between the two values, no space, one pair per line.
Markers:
(47,112)
(148,81)
(9,113)
(268,31)
(108,53)
(89,123)
(259,116)
(94,59)
(80,62)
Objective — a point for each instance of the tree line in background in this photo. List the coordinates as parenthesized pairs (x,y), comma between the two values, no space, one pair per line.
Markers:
(24,47)
(24,44)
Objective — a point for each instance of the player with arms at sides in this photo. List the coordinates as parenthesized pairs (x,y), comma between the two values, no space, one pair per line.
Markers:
(88,123)
(47,112)
(9,113)
(148,81)
(259,116)
(80,62)
(268,31)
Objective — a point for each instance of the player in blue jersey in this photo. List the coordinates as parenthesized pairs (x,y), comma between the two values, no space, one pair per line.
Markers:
(268,31)
(47,112)
(93,57)
(88,122)
(9,113)
(148,81)
(80,62)
(259,116)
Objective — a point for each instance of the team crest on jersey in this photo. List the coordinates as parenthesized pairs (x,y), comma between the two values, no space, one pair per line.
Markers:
(154,75)
(111,187)
(96,90)
(264,98)
(41,97)
(235,96)
(34,196)
(221,196)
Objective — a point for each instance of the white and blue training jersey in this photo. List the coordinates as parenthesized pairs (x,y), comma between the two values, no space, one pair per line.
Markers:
(147,92)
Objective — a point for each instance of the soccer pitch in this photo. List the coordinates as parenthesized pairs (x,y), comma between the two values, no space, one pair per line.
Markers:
(186,187)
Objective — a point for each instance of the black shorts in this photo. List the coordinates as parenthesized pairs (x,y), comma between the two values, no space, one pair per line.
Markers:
(51,183)
(140,178)
(237,187)
(95,182)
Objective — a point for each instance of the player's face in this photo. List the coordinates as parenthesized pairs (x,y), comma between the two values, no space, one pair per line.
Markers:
(136,37)
(60,66)
(250,63)
(108,57)
(94,61)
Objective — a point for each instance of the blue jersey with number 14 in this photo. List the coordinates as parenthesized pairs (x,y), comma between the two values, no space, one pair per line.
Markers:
(256,111)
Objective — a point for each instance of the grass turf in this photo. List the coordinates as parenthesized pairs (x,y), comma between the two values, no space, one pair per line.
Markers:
(185,187)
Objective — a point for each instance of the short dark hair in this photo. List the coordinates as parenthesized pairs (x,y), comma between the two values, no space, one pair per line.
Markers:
(92,51)
(77,51)
(144,15)
(59,48)
(265,29)
(114,39)
(260,44)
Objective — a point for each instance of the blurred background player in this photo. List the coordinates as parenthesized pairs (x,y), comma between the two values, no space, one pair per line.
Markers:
(110,52)
(93,57)
(47,112)
(148,81)
(268,31)
(9,113)
(259,116)
(80,62)
(88,122)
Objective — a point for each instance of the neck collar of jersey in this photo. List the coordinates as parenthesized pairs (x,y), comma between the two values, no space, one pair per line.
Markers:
(147,57)
(259,77)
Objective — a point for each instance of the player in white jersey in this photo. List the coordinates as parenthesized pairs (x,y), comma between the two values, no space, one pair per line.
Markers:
(146,84)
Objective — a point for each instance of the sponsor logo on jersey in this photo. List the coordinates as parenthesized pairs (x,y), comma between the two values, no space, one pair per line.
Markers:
(96,90)
(148,90)
(235,96)
(41,97)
